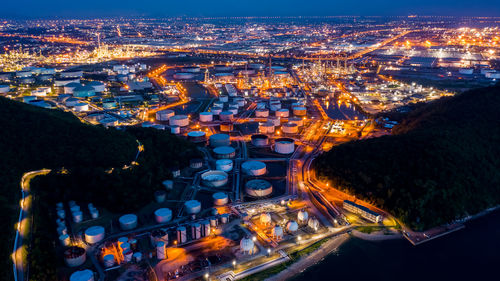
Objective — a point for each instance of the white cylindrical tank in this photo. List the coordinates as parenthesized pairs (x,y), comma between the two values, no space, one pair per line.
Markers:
(94,234)
(196,231)
(127,255)
(292,226)
(206,116)
(254,168)
(223,98)
(161,250)
(108,260)
(197,136)
(220,198)
(302,216)
(64,239)
(77,216)
(226,116)
(282,113)
(266,128)
(275,120)
(233,110)
(290,128)
(224,152)
(175,129)
(214,178)
(284,145)
(181,235)
(213,222)
(260,140)
(296,120)
(205,226)
(277,232)
(217,140)
(224,165)
(137,256)
(224,218)
(265,218)
(192,207)
(164,115)
(247,245)
(163,215)
(216,110)
(82,275)
(261,113)
(179,120)
(258,188)
(75,256)
(128,221)
(81,106)
(299,111)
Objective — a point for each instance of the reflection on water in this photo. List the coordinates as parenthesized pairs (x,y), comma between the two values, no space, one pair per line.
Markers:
(469,254)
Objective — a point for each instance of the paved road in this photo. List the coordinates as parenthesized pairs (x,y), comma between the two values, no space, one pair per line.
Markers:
(19,258)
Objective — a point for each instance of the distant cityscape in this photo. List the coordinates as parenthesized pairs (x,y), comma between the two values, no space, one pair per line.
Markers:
(260,98)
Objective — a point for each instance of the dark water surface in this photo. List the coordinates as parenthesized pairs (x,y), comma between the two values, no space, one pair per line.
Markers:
(469,254)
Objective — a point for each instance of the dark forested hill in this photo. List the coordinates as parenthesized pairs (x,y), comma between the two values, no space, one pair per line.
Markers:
(441,163)
(34,138)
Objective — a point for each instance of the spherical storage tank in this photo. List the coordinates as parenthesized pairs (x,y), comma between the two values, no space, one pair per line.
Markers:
(74,256)
(163,215)
(179,120)
(246,245)
(224,152)
(282,113)
(254,168)
(225,165)
(265,218)
(82,275)
(277,232)
(302,216)
(214,178)
(196,136)
(220,198)
(313,223)
(284,145)
(164,115)
(290,128)
(128,221)
(192,207)
(292,226)
(94,234)
(206,116)
(217,140)
(258,188)
(260,140)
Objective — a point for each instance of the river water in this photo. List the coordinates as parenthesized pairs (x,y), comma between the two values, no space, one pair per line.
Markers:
(472,254)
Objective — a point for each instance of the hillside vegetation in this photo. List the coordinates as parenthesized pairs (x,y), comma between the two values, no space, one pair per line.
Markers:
(440,164)
(35,138)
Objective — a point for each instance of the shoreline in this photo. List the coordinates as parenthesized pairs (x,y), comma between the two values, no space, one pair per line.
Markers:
(307,261)
(375,236)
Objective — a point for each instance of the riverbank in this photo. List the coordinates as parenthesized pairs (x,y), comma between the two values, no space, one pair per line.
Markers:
(311,259)
(376,236)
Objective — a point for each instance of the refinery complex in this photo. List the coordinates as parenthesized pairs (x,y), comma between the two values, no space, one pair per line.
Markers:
(260,99)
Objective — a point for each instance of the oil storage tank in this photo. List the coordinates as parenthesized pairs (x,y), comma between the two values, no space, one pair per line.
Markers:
(192,207)
(74,256)
(128,221)
(284,145)
(254,168)
(214,178)
(164,115)
(217,140)
(258,188)
(206,116)
(262,113)
(94,234)
(163,215)
(225,165)
(220,198)
(179,120)
(260,140)
(197,136)
(224,152)
(290,128)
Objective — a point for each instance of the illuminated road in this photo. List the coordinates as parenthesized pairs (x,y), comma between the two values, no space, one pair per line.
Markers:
(19,253)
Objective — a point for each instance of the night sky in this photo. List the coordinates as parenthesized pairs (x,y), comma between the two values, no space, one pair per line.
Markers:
(163,8)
